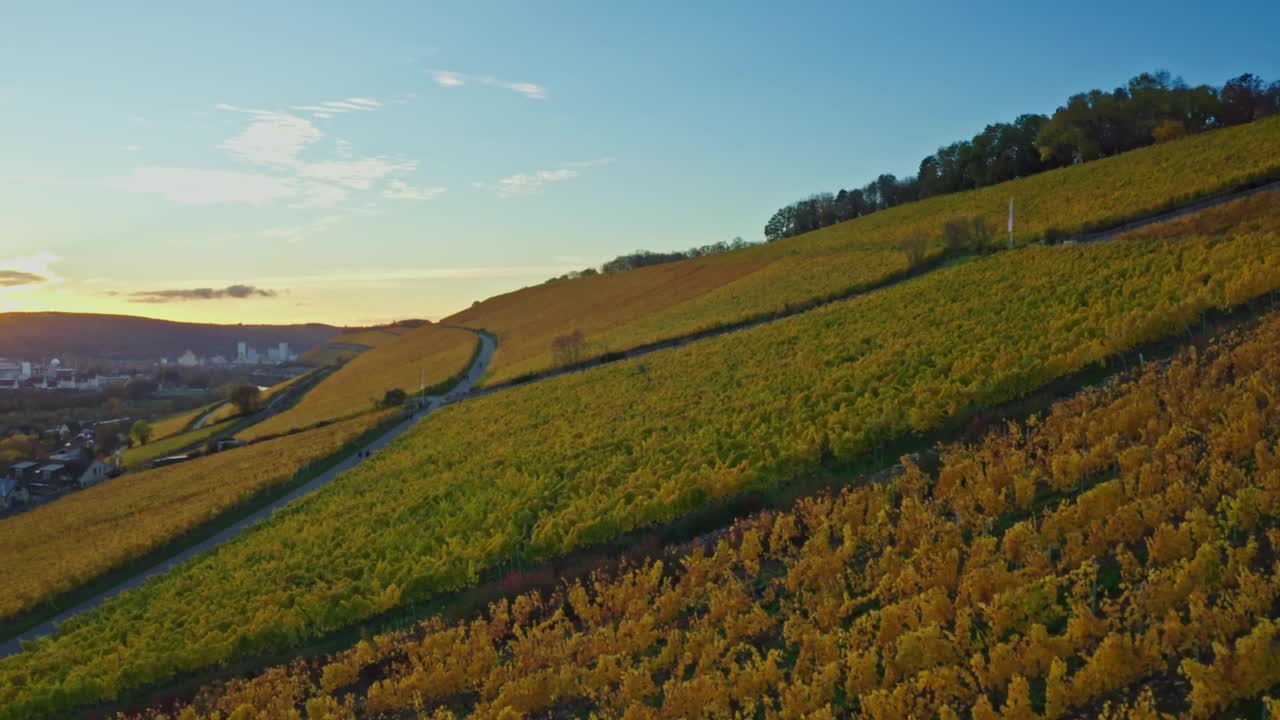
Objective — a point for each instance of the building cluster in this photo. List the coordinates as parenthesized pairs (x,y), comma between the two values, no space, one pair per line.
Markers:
(52,375)
(245,355)
(23,374)
(72,467)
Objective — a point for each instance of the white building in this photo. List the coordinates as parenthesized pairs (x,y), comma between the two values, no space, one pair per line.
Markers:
(188,359)
(10,374)
(242,352)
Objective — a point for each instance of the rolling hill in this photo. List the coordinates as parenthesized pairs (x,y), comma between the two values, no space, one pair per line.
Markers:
(539,471)
(1092,563)
(122,337)
(401,359)
(619,311)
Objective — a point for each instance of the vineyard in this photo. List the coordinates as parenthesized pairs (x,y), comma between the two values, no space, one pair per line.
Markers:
(358,386)
(139,456)
(58,547)
(177,423)
(1123,547)
(539,471)
(620,311)
(342,347)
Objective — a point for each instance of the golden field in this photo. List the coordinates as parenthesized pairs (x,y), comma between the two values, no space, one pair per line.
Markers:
(59,546)
(540,471)
(398,362)
(620,311)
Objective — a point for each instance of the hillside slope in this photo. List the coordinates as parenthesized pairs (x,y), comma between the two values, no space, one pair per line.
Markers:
(541,470)
(49,334)
(620,311)
(1111,552)
(401,360)
(61,545)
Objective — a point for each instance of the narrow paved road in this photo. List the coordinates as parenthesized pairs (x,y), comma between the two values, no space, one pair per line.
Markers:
(204,419)
(460,391)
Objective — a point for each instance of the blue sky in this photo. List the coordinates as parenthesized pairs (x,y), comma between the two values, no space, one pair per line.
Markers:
(372,161)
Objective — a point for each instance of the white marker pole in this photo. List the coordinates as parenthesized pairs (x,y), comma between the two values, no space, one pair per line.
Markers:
(1010,223)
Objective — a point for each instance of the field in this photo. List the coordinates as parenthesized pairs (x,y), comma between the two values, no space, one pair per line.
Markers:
(57,547)
(334,352)
(539,471)
(174,424)
(360,384)
(140,455)
(167,427)
(620,311)
(1066,566)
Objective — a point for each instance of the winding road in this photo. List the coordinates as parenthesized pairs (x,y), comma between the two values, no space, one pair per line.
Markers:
(466,388)
(459,392)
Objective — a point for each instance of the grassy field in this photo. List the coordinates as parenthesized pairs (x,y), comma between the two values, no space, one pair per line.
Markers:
(332,353)
(58,546)
(174,424)
(398,362)
(139,456)
(541,470)
(951,590)
(623,310)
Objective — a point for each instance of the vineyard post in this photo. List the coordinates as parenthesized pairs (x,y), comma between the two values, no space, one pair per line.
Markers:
(1011,223)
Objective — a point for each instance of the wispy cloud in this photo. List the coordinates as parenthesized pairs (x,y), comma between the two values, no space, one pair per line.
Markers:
(301,231)
(357,174)
(271,139)
(414,275)
(274,144)
(451,79)
(527,89)
(533,182)
(401,190)
(132,148)
(29,271)
(184,295)
(329,108)
(446,78)
(19,278)
(199,186)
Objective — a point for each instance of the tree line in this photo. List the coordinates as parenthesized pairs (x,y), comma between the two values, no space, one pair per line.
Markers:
(1151,108)
(645,258)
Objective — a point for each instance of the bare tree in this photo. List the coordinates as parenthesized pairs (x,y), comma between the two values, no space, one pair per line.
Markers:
(569,349)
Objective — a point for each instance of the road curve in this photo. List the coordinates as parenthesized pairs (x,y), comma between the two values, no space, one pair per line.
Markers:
(478,367)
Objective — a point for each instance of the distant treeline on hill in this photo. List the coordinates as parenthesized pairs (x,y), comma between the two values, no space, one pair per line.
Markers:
(645,258)
(1152,108)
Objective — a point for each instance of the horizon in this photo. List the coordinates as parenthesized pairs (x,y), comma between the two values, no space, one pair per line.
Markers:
(237,165)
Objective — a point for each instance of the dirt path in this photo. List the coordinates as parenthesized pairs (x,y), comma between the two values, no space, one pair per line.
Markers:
(477,370)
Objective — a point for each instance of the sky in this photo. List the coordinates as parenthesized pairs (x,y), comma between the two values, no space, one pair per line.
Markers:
(357,163)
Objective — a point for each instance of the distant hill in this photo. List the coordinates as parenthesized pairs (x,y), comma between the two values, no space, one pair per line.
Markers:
(124,337)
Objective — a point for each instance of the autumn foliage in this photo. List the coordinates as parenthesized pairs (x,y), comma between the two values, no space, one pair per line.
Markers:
(397,362)
(539,471)
(1114,558)
(58,547)
(619,311)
